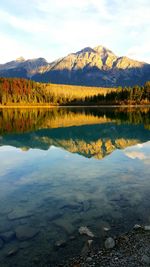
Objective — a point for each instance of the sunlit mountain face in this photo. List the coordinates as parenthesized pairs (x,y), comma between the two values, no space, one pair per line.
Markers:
(89,132)
(97,66)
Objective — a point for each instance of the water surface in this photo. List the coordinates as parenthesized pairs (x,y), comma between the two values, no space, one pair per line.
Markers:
(65,168)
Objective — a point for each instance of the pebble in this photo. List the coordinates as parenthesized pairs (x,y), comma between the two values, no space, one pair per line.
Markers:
(90,243)
(106,229)
(109,243)
(72,237)
(147,228)
(146,259)
(83,230)
(137,226)
(60,243)
(89,259)
(12,252)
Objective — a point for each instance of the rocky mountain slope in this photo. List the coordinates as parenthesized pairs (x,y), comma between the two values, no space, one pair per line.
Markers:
(97,66)
(22,68)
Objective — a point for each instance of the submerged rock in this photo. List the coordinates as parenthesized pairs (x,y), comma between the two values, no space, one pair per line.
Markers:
(90,243)
(60,243)
(147,228)
(7,236)
(65,225)
(145,259)
(83,230)
(85,250)
(106,229)
(19,214)
(89,259)
(137,226)
(13,251)
(109,243)
(24,232)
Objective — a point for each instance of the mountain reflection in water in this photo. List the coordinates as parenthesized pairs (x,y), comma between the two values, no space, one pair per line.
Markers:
(89,132)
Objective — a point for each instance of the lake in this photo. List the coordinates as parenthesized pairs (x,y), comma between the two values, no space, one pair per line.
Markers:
(64,168)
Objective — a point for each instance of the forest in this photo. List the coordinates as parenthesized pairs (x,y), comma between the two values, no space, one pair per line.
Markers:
(16,91)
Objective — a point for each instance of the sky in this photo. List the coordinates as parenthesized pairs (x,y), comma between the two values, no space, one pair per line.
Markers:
(55,28)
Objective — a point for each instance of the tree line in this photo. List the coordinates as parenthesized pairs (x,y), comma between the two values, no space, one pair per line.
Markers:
(22,91)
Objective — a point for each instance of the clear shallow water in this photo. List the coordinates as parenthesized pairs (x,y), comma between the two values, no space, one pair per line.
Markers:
(65,168)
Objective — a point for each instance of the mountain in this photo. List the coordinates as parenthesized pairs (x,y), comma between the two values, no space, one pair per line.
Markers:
(22,68)
(97,66)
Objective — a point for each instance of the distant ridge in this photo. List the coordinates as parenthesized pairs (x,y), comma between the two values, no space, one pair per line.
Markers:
(97,66)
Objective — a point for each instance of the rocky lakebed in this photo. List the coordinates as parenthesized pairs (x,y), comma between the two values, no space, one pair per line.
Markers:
(129,249)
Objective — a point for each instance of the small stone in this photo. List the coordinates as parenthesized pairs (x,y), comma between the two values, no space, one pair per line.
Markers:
(106,229)
(83,230)
(109,243)
(12,252)
(137,226)
(90,242)
(146,259)
(7,236)
(60,243)
(147,228)
(85,250)
(89,259)
(1,243)
(72,237)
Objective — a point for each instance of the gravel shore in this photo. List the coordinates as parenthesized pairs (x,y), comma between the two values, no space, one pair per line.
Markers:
(131,249)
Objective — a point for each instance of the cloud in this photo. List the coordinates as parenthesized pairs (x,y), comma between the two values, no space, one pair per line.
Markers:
(58,27)
(135,155)
(140,151)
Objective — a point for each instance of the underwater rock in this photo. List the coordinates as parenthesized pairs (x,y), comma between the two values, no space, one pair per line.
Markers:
(19,214)
(89,242)
(89,259)
(147,227)
(137,226)
(83,230)
(109,243)
(65,225)
(72,237)
(7,236)
(24,232)
(60,243)
(85,250)
(106,229)
(12,251)
(145,259)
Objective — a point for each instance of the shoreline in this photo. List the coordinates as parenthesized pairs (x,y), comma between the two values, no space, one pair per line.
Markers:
(130,249)
(73,106)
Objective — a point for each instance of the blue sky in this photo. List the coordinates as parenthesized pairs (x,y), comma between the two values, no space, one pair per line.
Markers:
(55,28)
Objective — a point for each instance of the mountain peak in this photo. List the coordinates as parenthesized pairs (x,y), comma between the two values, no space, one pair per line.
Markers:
(102,50)
(84,50)
(20,59)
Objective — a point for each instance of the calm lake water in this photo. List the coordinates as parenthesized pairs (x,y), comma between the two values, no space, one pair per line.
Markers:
(61,169)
